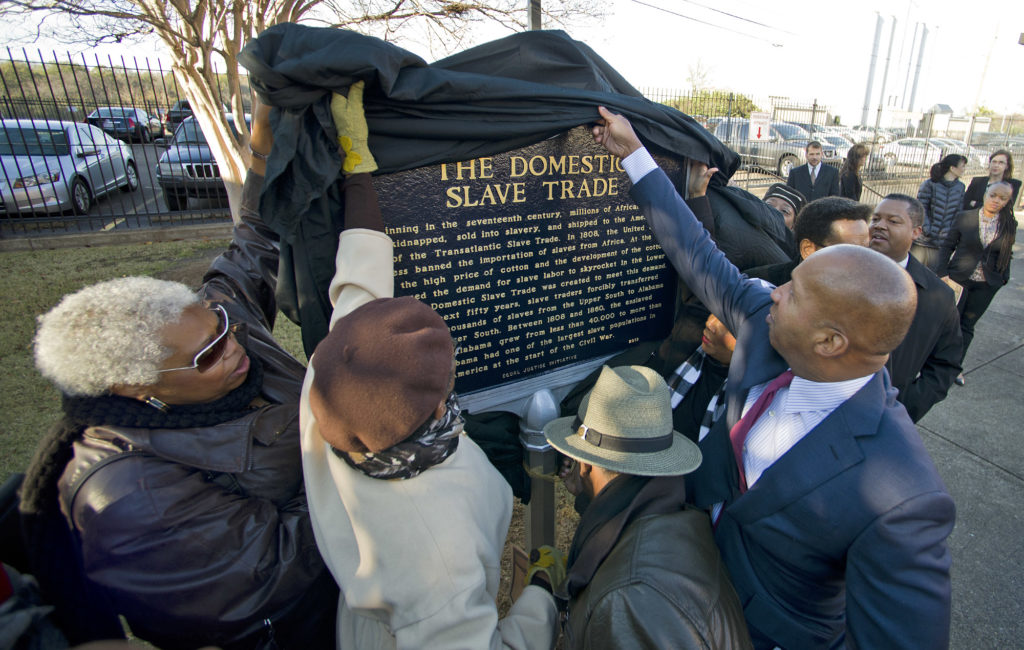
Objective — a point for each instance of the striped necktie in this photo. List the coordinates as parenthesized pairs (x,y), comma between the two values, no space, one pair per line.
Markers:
(741,430)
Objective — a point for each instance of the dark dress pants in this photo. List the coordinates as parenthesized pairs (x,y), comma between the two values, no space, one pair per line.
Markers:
(973,302)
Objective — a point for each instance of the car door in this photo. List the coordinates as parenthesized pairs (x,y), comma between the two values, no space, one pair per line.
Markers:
(96,164)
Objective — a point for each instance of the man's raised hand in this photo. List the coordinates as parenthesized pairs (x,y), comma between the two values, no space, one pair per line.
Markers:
(614,133)
(700,176)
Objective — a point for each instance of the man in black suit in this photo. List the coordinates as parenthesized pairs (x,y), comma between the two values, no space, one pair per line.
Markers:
(814,180)
(924,366)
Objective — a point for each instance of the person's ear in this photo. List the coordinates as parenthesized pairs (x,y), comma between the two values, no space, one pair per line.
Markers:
(585,469)
(806,248)
(830,342)
(134,392)
(917,231)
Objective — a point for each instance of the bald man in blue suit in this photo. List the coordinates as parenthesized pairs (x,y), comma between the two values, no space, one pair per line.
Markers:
(830,515)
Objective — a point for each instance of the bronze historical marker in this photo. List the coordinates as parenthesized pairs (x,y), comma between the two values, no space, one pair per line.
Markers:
(536,258)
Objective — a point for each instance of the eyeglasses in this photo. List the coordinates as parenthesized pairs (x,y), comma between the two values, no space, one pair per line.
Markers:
(209,356)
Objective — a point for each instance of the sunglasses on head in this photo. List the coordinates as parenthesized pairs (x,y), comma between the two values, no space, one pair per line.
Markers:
(212,353)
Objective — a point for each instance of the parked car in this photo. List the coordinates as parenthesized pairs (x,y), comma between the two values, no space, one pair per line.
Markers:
(911,151)
(126,123)
(178,113)
(975,155)
(841,143)
(51,166)
(781,152)
(188,169)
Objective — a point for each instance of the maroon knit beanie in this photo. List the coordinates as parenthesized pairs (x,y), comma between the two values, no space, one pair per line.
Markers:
(380,373)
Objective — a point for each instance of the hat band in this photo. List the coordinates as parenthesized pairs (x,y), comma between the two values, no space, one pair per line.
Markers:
(618,443)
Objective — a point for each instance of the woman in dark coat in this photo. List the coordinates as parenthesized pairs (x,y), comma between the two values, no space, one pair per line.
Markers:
(976,254)
(850,185)
(1000,168)
(942,195)
(171,492)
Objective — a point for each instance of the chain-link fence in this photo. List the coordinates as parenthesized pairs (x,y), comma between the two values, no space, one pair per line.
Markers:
(76,129)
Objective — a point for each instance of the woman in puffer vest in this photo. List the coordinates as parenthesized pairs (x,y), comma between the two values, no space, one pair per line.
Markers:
(942,195)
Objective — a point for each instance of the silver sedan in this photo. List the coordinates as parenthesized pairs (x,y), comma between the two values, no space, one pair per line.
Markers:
(53,166)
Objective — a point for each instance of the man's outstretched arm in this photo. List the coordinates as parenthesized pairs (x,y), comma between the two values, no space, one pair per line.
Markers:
(689,248)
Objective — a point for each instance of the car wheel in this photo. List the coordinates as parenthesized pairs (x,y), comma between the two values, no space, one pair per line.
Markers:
(131,182)
(81,197)
(175,201)
(786,165)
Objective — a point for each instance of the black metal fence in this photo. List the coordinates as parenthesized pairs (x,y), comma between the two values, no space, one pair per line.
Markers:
(104,114)
(76,129)
(900,157)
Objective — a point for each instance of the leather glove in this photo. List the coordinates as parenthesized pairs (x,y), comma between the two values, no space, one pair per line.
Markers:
(550,563)
(350,120)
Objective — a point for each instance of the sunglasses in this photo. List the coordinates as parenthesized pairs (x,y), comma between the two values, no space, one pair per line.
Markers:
(209,356)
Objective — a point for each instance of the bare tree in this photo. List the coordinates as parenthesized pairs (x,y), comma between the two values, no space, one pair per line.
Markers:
(700,72)
(201,33)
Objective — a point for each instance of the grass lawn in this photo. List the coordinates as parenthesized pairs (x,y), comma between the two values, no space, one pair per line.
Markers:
(31,282)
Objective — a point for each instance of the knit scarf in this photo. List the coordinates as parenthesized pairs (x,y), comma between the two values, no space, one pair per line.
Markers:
(39,489)
(121,411)
(620,503)
(429,445)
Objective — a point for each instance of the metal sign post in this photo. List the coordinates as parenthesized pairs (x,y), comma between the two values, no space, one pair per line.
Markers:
(541,460)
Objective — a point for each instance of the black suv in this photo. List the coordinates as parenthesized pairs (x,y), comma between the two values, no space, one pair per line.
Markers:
(188,168)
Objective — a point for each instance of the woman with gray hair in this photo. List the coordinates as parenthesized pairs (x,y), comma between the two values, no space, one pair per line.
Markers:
(177,461)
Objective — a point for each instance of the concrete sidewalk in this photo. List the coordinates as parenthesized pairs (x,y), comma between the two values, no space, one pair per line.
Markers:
(976,437)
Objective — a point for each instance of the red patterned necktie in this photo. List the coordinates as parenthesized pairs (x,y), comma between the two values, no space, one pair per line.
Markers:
(739,432)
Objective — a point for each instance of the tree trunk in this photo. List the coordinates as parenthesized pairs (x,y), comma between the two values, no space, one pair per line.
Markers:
(225,147)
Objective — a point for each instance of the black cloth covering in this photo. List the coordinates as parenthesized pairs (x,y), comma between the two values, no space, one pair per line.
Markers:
(493,98)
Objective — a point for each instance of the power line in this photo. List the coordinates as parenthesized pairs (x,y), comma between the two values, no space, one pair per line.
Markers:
(704,22)
(748,20)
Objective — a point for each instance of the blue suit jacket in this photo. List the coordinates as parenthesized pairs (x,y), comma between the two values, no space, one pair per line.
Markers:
(842,541)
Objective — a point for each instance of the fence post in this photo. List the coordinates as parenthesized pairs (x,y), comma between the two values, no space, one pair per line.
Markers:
(927,139)
(729,109)
(814,111)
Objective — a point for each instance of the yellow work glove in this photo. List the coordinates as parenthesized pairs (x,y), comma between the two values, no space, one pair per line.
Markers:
(548,561)
(350,120)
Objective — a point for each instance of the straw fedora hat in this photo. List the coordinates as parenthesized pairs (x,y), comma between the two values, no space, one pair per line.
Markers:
(625,425)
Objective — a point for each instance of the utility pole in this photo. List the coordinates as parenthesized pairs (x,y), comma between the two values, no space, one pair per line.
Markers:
(910,65)
(917,72)
(885,78)
(871,71)
(533,8)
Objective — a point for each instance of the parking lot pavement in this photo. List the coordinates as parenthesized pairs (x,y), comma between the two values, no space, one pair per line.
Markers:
(976,438)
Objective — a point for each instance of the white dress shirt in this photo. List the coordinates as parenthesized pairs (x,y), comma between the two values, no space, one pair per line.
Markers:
(793,413)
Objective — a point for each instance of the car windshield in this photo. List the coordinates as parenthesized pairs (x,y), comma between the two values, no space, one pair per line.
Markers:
(791,131)
(33,142)
(190,133)
(114,112)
